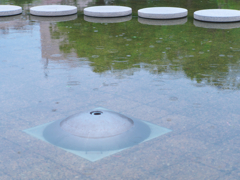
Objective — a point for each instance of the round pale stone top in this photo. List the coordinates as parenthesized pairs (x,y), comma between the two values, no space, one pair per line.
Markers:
(107,11)
(162,12)
(53,10)
(217,15)
(97,124)
(10,10)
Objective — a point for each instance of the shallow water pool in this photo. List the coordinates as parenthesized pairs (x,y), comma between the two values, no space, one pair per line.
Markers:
(183,75)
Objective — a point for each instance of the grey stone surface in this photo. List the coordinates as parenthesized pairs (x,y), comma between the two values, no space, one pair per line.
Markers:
(53,18)
(107,20)
(107,11)
(10,10)
(211,25)
(158,22)
(53,10)
(217,15)
(162,12)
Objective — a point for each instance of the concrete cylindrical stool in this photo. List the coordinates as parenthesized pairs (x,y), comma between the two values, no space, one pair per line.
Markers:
(217,15)
(10,10)
(162,13)
(53,10)
(107,11)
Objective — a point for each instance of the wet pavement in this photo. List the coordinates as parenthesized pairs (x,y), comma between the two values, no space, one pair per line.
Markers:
(181,77)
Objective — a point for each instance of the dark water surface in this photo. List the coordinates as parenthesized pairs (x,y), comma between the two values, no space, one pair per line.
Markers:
(185,77)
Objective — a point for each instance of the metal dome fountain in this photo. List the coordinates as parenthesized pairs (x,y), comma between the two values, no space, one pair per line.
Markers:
(96,133)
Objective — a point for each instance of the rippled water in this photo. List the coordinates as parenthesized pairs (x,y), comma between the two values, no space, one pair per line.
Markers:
(182,74)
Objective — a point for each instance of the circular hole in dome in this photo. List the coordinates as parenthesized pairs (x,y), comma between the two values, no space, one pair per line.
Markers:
(96,112)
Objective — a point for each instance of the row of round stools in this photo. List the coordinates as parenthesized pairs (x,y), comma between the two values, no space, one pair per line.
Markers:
(209,15)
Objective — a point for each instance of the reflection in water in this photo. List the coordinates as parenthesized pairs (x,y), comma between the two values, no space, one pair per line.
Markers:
(46,68)
(210,25)
(49,46)
(124,46)
(51,53)
(162,22)
(107,20)
(12,22)
(53,19)
(80,3)
(23,3)
(10,18)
